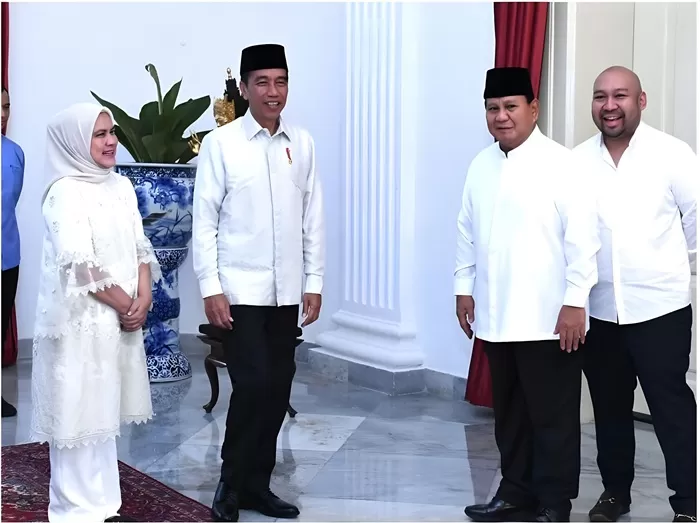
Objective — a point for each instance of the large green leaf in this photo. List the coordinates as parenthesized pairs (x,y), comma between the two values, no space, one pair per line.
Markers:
(130,126)
(124,140)
(187,113)
(171,98)
(150,119)
(154,74)
(178,149)
(156,144)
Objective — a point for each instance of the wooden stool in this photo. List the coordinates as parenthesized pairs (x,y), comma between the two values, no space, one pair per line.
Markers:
(214,337)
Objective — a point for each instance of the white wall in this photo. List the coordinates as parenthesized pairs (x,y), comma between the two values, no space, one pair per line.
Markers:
(440,52)
(104,47)
(456,47)
(453,49)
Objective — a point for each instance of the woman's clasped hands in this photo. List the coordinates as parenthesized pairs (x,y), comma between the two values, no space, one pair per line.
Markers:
(135,317)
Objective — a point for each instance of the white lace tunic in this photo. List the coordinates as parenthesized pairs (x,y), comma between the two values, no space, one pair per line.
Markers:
(87,374)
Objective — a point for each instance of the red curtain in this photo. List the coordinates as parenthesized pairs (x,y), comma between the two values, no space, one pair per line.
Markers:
(520,37)
(9,345)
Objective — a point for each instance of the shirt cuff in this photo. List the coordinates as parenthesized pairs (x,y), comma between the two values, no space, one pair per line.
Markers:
(210,286)
(464,286)
(314,284)
(575,297)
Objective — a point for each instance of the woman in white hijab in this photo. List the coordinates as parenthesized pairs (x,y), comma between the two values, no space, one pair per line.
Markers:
(89,367)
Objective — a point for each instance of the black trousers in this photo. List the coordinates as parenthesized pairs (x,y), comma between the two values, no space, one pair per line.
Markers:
(10,277)
(260,361)
(657,352)
(537,404)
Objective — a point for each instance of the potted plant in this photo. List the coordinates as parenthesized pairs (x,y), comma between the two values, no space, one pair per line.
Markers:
(164,184)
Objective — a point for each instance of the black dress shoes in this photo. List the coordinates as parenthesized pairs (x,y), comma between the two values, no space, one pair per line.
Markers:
(550,514)
(608,508)
(268,504)
(225,506)
(685,517)
(498,510)
(8,410)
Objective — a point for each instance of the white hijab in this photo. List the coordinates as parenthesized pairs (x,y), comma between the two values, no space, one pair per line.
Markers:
(68,145)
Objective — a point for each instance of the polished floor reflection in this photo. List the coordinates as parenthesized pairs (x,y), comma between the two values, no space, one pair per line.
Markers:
(351,454)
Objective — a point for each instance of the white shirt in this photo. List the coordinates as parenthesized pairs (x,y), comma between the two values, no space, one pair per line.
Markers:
(647,208)
(258,215)
(526,241)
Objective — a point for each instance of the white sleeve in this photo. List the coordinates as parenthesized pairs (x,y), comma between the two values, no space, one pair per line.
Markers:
(81,270)
(578,210)
(209,193)
(465,271)
(685,177)
(313,234)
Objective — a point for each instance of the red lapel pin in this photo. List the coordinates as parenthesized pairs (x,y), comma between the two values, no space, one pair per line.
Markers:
(289,156)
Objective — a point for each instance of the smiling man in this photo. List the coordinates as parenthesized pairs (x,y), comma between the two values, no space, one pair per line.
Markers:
(258,231)
(526,248)
(641,317)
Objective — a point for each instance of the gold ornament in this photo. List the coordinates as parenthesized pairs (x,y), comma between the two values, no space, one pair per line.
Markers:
(224,111)
(194,142)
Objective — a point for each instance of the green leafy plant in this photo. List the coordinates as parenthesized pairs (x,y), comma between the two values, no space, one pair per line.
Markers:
(157,135)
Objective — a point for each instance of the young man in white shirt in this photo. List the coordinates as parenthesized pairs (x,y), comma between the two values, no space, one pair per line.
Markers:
(526,249)
(258,231)
(647,187)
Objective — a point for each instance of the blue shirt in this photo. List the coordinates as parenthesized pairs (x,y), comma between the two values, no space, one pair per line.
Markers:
(12,181)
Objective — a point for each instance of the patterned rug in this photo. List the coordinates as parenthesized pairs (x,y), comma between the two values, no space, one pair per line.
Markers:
(25,490)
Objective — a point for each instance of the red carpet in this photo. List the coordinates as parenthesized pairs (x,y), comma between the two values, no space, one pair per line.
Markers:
(25,490)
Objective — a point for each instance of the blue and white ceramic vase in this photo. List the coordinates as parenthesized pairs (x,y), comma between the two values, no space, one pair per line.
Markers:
(165,194)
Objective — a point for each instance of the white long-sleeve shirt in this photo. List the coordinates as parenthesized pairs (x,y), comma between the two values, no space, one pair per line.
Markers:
(647,207)
(527,240)
(258,215)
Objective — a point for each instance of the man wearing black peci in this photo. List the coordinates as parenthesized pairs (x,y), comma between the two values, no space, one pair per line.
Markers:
(258,233)
(527,240)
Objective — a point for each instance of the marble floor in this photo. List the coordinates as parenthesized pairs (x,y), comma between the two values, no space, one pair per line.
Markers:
(351,454)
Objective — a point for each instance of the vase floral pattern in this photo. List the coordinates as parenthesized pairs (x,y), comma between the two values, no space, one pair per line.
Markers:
(165,195)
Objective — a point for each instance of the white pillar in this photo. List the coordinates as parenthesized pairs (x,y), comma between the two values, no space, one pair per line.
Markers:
(375,325)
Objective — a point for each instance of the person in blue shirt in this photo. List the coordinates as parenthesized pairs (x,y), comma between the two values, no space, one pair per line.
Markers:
(12,180)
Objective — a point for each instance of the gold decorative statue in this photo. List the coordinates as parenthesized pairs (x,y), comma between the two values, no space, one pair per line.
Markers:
(232,105)
(225,108)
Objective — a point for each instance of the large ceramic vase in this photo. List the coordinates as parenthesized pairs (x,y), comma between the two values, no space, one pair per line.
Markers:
(164,193)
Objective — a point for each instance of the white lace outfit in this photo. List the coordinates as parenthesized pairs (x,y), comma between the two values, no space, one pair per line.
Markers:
(87,374)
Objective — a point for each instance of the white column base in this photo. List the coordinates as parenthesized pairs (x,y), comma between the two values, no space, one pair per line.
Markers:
(370,341)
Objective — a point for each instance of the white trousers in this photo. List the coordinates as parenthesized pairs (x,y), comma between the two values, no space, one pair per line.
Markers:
(84,486)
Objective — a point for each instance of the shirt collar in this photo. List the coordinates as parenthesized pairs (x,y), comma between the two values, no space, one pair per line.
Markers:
(524,147)
(634,141)
(252,127)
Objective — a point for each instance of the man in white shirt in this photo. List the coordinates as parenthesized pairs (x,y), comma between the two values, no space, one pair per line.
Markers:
(526,248)
(641,318)
(258,231)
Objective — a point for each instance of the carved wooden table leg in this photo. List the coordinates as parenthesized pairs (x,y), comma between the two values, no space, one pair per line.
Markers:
(213,337)
(213,375)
